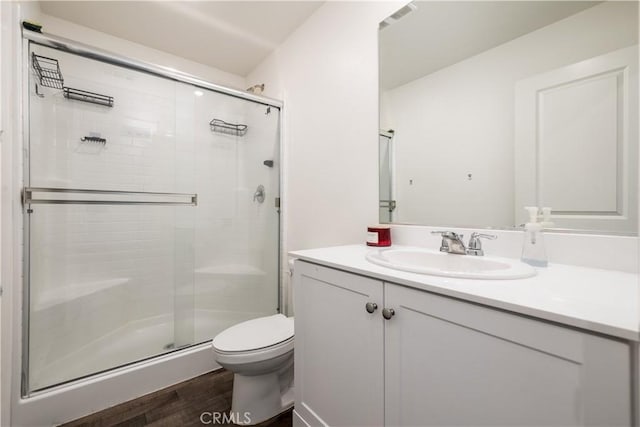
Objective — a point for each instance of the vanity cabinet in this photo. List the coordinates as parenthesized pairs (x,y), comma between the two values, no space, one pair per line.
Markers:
(441,361)
(338,358)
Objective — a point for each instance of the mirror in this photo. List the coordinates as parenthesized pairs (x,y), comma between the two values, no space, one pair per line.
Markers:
(490,106)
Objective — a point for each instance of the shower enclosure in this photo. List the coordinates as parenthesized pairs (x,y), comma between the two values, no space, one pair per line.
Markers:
(150,213)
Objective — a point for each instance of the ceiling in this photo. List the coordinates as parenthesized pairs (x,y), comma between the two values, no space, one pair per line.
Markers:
(233,36)
(441,33)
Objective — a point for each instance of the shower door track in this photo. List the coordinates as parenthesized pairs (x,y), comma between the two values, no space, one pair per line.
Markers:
(86,51)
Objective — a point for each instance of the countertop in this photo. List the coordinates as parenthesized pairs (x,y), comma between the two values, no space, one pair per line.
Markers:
(602,301)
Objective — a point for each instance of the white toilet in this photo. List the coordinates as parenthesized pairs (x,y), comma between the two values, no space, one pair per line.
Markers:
(260,354)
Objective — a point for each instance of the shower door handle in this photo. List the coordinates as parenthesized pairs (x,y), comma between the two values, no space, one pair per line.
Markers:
(70,196)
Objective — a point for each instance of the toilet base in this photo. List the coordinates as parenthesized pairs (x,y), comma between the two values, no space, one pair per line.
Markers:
(262,367)
(257,398)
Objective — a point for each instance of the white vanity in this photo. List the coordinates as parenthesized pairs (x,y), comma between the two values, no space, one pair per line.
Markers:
(376,346)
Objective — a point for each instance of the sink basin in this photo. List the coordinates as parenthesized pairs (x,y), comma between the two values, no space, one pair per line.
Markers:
(425,261)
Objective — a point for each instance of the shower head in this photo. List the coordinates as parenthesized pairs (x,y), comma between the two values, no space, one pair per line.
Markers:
(257,89)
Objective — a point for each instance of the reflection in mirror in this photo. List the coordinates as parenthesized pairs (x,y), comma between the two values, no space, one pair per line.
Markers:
(387,204)
(490,106)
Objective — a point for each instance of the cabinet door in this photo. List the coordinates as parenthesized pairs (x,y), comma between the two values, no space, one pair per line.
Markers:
(339,347)
(449,362)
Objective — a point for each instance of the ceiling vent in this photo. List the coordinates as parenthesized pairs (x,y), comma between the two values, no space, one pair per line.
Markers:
(398,15)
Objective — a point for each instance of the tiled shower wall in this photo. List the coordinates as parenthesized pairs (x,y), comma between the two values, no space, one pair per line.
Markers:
(100,271)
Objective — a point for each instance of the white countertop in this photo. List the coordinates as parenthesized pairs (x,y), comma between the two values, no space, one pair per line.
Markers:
(604,301)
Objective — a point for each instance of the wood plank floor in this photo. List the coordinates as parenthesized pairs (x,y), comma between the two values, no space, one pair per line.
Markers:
(176,406)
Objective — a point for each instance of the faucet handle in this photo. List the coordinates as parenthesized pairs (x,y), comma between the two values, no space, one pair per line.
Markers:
(475,244)
(451,242)
(475,235)
(449,234)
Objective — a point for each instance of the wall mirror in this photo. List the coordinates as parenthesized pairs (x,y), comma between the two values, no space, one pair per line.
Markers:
(490,106)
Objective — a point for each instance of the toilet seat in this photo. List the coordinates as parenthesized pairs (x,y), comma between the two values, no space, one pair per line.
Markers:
(255,340)
(252,356)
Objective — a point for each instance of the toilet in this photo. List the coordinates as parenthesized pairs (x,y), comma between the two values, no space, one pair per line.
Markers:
(259,352)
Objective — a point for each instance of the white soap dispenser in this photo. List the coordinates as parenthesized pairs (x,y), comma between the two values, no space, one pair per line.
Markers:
(533,252)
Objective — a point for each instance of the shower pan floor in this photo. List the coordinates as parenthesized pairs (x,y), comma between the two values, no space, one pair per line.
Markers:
(133,342)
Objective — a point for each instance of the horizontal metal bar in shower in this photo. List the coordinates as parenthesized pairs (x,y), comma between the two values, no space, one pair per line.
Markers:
(86,96)
(87,51)
(55,196)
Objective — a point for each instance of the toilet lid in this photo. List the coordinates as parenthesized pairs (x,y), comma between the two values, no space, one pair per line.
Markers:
(255,334)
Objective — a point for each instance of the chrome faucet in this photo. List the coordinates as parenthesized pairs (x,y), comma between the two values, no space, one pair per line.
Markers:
(475,244)
(452,243)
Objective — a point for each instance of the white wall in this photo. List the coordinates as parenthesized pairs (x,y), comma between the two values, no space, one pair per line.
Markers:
(460,119)
(70,30)
(327,74)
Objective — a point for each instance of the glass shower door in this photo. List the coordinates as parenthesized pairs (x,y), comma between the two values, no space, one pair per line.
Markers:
(110,211)
(102,294)
(237,224)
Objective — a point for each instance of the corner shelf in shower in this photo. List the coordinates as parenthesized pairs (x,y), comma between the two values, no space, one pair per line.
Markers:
(48,71)
(72,292)
(86,96)
(227,270)
(221,126)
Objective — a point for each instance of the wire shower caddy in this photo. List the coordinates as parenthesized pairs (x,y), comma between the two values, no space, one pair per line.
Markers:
(221,126)
(48,71)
